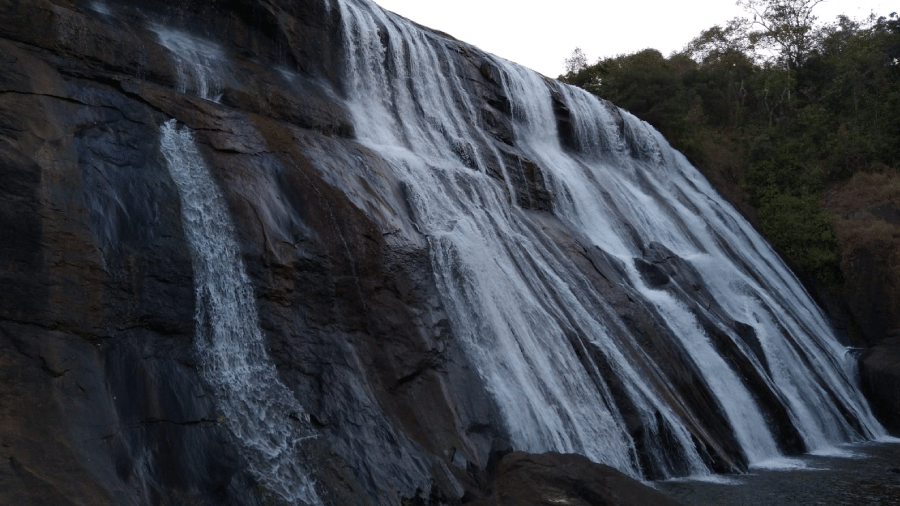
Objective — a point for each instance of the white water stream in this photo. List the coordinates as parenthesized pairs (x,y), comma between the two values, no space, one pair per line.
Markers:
(256,406)
(200,65)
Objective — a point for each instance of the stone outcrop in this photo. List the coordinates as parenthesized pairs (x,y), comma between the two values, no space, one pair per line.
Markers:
(880,371)
(867,224)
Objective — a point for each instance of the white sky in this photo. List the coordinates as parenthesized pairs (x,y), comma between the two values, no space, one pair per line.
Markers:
(540,34)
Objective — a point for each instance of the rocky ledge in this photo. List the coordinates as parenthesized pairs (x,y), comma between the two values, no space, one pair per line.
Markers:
(880,371)
(524,479)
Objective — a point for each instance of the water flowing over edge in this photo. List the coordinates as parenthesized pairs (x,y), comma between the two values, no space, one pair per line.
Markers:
(525,314)
(628,193)
(256,406)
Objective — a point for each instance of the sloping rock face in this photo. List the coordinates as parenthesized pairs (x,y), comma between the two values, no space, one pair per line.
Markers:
(105,399)
(102,401)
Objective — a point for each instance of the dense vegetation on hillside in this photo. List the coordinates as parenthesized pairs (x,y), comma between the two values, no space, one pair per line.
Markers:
(777,111)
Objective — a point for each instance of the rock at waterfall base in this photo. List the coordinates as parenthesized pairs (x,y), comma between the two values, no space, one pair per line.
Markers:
(880,371)
(524,479)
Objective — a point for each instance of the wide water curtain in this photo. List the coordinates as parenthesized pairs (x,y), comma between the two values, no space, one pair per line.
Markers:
(560,362)
(500,308)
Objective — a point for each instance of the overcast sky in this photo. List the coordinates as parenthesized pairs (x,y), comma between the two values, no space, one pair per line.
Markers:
(540,34)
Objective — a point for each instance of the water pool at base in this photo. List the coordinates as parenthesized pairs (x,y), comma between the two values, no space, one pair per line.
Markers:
(870,477)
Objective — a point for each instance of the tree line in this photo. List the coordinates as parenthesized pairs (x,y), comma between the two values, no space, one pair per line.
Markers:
(773,108)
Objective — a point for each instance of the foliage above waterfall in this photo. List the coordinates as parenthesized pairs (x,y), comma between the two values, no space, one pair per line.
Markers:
(773,109)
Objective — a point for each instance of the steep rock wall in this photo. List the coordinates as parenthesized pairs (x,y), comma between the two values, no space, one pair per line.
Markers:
(102,398)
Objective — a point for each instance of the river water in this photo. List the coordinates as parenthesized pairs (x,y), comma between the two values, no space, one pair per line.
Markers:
(870,477)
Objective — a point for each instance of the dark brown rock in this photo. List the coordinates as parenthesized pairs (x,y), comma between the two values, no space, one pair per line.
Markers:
(103,403)
(101,396)
(547,479)
(880,372)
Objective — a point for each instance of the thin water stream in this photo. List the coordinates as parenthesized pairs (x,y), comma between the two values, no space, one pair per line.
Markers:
(257,408)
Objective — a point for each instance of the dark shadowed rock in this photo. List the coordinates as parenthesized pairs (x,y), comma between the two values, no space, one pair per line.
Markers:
(524,479)
(866,307)
(880,371)
(103,403)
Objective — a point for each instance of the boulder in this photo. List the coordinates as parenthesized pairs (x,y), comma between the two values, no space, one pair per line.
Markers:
(524,479)
(880,372)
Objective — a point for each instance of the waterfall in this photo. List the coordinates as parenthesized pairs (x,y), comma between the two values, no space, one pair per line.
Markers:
(199,64)
(255,405)
(720,359)
(559,360)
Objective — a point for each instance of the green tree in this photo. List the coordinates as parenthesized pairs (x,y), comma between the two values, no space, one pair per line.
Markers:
(647,84)
(717,41)
(786,26)
(772,110)
(799,227)
(853,78)
(577,62)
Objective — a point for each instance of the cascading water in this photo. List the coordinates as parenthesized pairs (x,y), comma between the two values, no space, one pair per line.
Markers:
(566,370)
(199,64)
(551,350)
(256,406)
(667,201)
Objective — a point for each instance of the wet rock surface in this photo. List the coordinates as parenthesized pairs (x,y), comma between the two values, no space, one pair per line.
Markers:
(551,478)
(102,400)
(870,478)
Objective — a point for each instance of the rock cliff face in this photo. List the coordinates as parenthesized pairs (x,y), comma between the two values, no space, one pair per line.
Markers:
(361,296)
(867,222)
(103,403)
